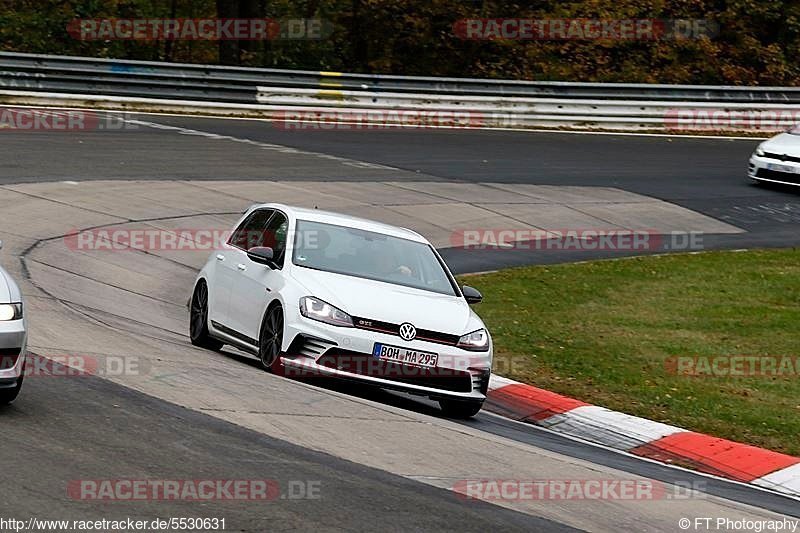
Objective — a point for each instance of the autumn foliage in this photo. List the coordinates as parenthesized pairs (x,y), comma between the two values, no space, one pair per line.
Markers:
(757,43)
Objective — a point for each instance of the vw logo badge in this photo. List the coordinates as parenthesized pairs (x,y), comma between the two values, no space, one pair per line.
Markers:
(407,332)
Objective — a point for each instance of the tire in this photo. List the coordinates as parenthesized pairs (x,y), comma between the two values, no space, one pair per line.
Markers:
(9,395)
(460,409)
(270,339)
(198,320)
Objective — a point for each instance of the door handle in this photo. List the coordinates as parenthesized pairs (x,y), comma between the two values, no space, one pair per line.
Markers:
(220,257)
(240,266)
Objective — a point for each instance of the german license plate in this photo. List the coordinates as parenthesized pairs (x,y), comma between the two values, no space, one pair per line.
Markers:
(398,354)
(783,168)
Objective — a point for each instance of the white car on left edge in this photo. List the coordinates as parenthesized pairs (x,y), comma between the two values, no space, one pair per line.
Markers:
(320,293)
(777,160)
(13,338)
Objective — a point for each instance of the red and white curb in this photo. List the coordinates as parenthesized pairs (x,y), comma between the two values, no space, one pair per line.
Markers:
(645,438)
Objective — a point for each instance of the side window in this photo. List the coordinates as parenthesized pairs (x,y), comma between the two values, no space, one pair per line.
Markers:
(275,236)
(251,231)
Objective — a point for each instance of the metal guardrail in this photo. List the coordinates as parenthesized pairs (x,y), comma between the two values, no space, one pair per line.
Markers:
(264,92)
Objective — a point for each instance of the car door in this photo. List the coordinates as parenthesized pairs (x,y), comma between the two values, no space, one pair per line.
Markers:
(256,284)
(249,231)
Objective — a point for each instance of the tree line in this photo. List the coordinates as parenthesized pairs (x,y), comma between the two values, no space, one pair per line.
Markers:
(753,42)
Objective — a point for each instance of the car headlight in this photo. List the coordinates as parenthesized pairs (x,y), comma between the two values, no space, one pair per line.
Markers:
(759,151)
(10,312)
(316,309)
(477,341)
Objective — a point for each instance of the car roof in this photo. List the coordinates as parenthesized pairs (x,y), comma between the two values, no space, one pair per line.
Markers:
(339,219)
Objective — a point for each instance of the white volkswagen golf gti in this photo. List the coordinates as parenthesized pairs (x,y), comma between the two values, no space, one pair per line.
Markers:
(318,293)
(777,160)
(13,338)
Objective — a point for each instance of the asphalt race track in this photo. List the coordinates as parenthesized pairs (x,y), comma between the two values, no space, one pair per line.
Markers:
(706,175)
(381,460)
(90,423)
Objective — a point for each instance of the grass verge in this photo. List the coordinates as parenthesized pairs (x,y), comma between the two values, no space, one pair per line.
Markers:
(610,333)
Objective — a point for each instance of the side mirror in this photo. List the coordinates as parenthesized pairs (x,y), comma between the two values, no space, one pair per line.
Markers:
(262,255)
(471,295)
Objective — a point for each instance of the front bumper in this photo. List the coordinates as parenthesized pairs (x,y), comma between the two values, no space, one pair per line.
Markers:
(13,344)
(765,169)
(318,349)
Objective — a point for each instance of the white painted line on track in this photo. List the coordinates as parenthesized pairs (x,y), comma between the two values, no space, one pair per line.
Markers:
(209,135)
(266,146)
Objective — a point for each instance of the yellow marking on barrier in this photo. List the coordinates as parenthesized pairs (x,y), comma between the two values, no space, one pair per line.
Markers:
(330,84)
(328,73)
(330,94)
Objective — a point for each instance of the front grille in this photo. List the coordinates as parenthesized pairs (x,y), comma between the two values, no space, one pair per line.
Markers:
(782,157)
(394,329)
(368,365)
(8,358)
(787,177)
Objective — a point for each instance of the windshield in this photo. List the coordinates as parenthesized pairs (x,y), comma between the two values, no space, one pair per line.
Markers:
(370,255)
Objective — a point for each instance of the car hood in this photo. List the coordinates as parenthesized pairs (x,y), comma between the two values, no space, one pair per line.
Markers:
(387,302)
(785,143)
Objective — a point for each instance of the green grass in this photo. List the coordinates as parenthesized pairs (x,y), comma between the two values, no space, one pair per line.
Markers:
(602,331)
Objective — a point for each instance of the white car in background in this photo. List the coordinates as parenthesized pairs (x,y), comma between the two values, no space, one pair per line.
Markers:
(777,160)
(13,338)
(333,295)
